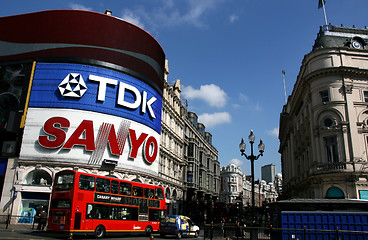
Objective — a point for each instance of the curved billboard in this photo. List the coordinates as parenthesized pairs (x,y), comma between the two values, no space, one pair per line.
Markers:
(86,37)
(95,95)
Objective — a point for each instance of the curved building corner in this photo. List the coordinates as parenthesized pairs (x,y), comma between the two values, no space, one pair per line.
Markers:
(84,95)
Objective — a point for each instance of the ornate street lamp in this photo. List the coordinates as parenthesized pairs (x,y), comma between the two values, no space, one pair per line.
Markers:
(252,158)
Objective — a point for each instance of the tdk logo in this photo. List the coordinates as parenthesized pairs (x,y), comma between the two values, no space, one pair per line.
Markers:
(74,86)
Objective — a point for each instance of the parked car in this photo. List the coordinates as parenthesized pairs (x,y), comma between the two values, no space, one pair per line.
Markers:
(179,226)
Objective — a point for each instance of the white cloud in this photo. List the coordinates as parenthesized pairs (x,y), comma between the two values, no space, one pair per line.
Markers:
(233,18)
(243,97)
(131,17)
(236,161)
(77,6)
(198,9)
(274,132)
(211,120)
(173,13)
(257,107)
(212,94)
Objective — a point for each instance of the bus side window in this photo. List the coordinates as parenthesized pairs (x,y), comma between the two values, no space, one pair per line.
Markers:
(159,194)
(148,193)
(86,182)
(125,188)
(137,191)
(103,185)
(114,187)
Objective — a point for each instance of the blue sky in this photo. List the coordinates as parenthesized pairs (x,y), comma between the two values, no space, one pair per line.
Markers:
(229,56)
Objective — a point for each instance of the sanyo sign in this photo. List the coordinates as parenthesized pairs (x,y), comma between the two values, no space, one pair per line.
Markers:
(87,114)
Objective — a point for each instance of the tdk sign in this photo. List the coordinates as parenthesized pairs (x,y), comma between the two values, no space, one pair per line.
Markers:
(140,99)
(96,89)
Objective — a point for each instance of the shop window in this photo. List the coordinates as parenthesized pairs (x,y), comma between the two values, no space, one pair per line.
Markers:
(38,177)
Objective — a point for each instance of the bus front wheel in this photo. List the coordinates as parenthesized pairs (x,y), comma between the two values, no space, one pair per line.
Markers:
(100,231)
(148,231)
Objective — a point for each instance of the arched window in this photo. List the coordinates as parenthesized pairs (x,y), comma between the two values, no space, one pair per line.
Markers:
(168,193)
(38,177)
(174,195)
(335,193)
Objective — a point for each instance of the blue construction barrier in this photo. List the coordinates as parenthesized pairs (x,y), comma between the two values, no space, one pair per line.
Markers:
(319,225)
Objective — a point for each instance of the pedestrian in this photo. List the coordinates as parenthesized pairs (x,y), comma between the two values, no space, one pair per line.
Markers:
(42,220)
(237,230)
(223,226)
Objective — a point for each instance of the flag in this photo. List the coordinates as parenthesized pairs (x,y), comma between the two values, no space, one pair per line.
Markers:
(320,3)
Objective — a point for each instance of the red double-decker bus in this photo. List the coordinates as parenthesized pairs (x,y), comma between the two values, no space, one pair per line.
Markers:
(84,203)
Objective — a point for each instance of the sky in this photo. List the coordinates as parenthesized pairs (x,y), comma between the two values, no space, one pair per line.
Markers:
(229,56)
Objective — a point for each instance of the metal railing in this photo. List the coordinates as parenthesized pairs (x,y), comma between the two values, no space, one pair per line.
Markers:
(218,231)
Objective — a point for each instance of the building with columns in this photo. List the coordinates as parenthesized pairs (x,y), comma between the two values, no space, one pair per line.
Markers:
(171,163)
(202,169)
(236,187)
(324,125)
(188,160)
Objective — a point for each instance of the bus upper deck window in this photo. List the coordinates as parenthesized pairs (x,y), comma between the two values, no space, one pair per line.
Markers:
(114,187)
(149,193)
(64,181)
(137,191)
(103,185)
(86,182)
(159,194)
(125,188)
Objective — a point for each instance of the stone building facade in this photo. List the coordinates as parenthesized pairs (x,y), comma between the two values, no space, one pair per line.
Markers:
(323,127)
(236,187)
(202,169)
(188,160)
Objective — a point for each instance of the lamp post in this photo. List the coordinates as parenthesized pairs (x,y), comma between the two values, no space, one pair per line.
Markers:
(252,158)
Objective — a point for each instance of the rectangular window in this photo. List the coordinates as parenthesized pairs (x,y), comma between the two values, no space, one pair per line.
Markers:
(99,211)
(200,178)
(149,192)
(365,96)
(189,177)
(64,181)
(159,194)
(114,187)
(331,149)
(87,182)
(137,191)
(61,203)
(324,96)
(103,185)
(191,150)
(155,214)
(125,188)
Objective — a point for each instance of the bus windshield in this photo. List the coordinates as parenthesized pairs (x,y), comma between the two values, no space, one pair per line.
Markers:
(64,181)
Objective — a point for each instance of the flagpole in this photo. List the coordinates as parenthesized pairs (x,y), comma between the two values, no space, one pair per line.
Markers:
(283,77)
(324,11)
